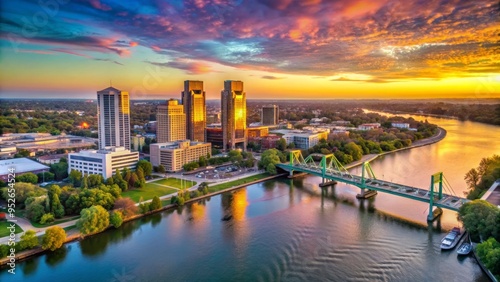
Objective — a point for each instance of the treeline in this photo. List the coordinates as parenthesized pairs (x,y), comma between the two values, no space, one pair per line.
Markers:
(482,221)
(480,179)
(484,113)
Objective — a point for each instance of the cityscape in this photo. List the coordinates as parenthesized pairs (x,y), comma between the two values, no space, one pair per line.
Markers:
(249,141)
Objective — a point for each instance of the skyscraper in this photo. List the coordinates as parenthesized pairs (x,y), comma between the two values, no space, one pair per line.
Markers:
(193,100)
(113,115)
(234,115)
(270,115)
(170,122)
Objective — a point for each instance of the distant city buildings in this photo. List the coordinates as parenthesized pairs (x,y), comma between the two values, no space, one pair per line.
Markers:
(104,161)
(7,151)
(171,122)
(270,115)
(193,100)
(113,116)
(174,155)
(20,166)
(233,104)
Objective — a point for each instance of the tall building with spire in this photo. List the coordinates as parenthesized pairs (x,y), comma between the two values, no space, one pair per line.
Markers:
(170,122)
(193,100)
(113,116)
(234,115)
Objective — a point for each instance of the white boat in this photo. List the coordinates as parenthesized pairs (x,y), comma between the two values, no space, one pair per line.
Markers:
(452,238)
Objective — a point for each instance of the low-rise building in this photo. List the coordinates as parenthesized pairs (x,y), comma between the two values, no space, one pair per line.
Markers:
(7,151)
(174,155)
(305,140)
(401,125)
(104,162)
(369,126)
(51,159)
(20,166)
(259,131)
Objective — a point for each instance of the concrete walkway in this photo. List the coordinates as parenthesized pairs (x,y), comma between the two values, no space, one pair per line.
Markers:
(26,225)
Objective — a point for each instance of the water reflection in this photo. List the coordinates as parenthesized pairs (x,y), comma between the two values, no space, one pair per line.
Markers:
(54,258)
(96,245)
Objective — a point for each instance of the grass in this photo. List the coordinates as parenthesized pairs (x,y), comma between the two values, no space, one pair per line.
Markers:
(175,182)
(4,231)
(38,225)
(230,184)
(148,192)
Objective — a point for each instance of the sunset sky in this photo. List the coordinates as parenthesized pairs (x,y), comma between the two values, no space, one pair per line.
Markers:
(279,49)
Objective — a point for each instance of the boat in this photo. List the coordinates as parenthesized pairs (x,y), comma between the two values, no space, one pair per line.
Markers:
(464,249)
(452,238)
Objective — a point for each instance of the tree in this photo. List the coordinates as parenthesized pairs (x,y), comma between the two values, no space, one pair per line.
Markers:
(47,218)
(75,177)
(155,203)
(202,161)
(45,176)
(35,209)
(28,240)
(354,150)
(54,238)
(56,207)
(191,166)
(133,180)
(27,177)
(126,206)
(480,219)
(116,218)
(60,170)
(24,191)
(489,252)
(281,144)
(146,166)
(269,159)
(93,220)
(140,173)
(161,169)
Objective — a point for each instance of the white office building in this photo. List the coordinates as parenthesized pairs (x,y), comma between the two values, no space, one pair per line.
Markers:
(174,155)
(103,162)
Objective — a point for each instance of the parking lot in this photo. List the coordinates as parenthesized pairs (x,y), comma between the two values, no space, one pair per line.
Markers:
(224,172)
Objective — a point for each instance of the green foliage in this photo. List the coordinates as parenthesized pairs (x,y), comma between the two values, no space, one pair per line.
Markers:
(144,208)
(146,166)
(47,218)
(281,144)
(24,191)
(202,161)
(116,218)
(60,170)
(45,176)
(126,206)
(489,253)
(481,178)
(161,169)
(76,178)
(269,159)
(140,173)
(54,238)
(35,208)
(4,250)
(27,177)
(93,220)
(155,203)
(191,166)
(481,219)
(28,240)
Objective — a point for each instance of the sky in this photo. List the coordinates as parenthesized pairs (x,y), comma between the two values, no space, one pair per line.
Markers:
(280,49)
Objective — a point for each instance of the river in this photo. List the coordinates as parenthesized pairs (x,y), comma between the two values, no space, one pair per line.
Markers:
(281,230)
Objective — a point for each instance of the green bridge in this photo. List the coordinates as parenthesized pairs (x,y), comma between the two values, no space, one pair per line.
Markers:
(329,168)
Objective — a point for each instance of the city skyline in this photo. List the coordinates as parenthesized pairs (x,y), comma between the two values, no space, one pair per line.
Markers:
(281,49)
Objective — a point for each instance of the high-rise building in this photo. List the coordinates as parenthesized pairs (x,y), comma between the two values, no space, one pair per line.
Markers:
(193,100)
(113,115)
(170,122)
(234,115)
(270,115)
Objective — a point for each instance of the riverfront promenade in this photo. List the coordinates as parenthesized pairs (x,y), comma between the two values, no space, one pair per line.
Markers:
(493,194)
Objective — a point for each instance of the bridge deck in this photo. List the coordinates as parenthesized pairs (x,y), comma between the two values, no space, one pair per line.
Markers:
(450,202)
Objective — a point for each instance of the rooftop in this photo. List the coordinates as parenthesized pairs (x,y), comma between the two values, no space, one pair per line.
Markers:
(20,165)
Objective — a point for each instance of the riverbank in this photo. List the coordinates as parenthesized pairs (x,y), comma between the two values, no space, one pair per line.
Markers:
(440,135)
(75,235)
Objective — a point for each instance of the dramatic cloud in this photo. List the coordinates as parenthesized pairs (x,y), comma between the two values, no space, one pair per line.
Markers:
(386,40)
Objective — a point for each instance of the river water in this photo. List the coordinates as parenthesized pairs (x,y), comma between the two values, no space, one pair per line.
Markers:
(283,230)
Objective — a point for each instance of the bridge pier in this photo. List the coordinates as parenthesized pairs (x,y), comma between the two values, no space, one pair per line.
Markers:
(366,193)
(434,214)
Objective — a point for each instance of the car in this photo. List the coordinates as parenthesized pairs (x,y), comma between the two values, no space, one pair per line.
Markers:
(215,170)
